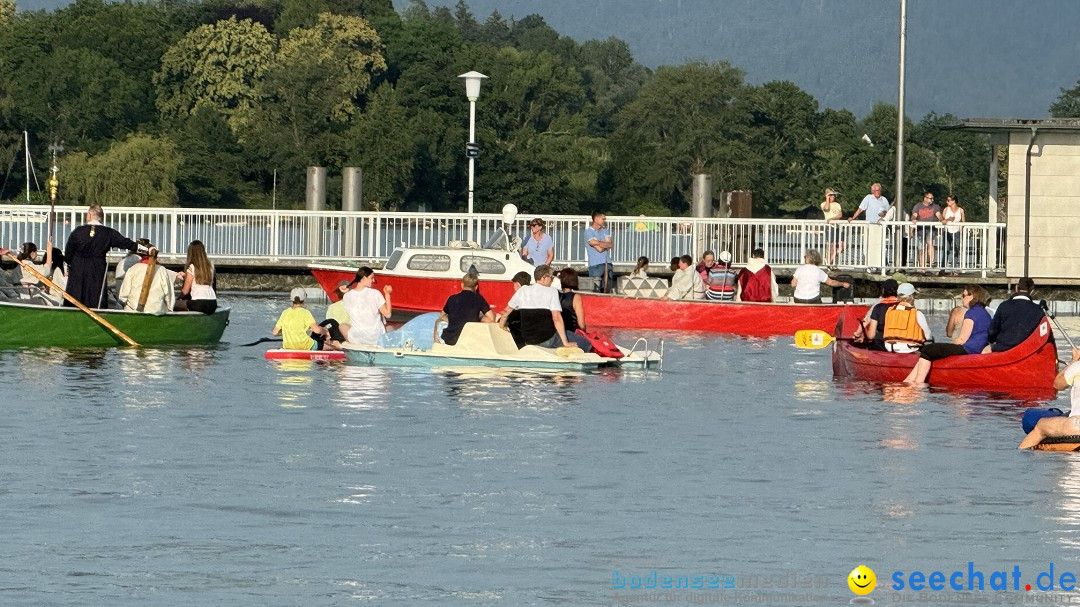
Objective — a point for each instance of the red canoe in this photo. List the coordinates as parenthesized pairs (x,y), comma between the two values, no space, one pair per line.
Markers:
(737,318)
(305,355)
(1028,368)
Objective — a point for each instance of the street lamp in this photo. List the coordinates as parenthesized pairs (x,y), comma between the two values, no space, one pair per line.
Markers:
(472,150)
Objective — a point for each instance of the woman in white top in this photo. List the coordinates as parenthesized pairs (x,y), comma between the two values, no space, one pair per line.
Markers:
(54,260)
(28,254)
(952,217)
(832,212)
(641,270)
(367,308)
(808,277)
(198,292)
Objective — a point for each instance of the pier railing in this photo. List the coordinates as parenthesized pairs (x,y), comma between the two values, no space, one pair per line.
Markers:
(335,236)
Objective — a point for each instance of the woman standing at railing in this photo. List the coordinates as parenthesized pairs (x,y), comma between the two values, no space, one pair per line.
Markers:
(952,217)
(833,212)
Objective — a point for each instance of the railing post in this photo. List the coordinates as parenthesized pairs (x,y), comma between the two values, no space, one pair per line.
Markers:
(174,219)
(275,230)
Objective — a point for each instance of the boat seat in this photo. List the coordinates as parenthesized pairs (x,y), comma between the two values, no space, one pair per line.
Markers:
(652,287)
(481,338)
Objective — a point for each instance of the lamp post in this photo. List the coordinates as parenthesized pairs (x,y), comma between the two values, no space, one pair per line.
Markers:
(472,150)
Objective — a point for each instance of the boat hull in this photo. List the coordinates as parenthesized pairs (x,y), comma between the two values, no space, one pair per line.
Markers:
(416,294)
(379,357)
(30,326)
(736,318)
(1027,369)
(420,294)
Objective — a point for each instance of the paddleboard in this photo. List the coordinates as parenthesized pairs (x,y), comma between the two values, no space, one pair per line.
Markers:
(327,355)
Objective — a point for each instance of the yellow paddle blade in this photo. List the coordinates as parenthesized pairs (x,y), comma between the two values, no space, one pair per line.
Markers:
(812,339)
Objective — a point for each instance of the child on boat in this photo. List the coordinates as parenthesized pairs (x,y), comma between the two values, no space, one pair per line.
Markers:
(295,322)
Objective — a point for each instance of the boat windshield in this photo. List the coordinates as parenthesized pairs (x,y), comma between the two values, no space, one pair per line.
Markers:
(498,240)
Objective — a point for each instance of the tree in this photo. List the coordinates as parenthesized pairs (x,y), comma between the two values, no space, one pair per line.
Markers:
(1067,104)
(216,66)
(140,171)
(7,12)
(382,142)
(689,119)
(785,121)
(314,86)
(212,166)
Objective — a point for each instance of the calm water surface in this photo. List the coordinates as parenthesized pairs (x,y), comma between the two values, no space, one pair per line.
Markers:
(213,477)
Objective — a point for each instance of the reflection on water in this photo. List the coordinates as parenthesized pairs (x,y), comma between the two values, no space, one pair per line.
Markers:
(165,472)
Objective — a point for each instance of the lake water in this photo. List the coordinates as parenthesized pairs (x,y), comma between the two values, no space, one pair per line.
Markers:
(213,477)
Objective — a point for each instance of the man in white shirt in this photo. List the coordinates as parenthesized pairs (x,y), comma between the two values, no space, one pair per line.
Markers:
(1060,426)
(540,311)
(686,283)
(873,204)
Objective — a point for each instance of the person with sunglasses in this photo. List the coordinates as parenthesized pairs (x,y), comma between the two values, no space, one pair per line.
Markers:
(833,212)
(538,249)
(973,337)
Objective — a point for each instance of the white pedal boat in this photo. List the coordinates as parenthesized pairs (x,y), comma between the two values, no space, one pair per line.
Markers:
(488,345)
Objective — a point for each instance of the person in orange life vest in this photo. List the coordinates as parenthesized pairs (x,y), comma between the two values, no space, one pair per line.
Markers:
(905,328)
(875,317)
(756,281)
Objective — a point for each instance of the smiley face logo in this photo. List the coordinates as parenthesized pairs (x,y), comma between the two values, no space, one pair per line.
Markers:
(862,580)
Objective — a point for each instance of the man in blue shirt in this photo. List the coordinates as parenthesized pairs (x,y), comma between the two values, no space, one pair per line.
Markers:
(873,204)
(598,252)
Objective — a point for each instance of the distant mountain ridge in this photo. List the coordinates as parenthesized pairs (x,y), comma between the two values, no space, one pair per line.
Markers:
(1001,59)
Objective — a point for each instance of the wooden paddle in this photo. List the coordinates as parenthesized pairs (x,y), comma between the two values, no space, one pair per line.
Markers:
(812,339)
(148,279)
(78,304)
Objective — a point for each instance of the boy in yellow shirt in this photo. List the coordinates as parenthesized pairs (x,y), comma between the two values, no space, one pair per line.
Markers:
(294,323)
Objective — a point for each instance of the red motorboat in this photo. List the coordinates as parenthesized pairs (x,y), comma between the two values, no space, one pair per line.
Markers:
(1027,369)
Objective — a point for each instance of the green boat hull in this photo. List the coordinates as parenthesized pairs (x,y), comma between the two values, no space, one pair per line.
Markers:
(30,326)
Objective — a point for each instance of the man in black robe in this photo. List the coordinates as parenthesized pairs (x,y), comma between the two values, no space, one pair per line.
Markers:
(85,255)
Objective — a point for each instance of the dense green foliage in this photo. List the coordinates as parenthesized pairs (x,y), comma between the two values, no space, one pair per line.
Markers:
(198,103)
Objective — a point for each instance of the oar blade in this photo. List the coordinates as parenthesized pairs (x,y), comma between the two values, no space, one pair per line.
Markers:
(812,339)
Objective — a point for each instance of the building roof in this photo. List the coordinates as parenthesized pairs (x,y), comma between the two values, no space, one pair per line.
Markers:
(995,125)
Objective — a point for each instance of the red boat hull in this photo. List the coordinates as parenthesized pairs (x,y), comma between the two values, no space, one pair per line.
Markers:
(615,311)
(736,318)
(418,294)
(1028,368)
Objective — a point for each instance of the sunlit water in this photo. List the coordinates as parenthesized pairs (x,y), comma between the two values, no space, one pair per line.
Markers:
(213,477)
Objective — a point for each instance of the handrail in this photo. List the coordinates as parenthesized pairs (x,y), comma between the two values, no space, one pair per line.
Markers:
(292,235)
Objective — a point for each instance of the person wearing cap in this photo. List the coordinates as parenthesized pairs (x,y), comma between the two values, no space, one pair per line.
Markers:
(905,328)
(686,283)
(540,311)
(808,277)
(875,317)
(368,308)
(160,298)
(1016,318)
(538,248)
(720,280)
(294,323)
(463,307)
(757,281)
(971,340)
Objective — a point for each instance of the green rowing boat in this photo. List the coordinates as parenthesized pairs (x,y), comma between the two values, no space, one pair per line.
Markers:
(36,326)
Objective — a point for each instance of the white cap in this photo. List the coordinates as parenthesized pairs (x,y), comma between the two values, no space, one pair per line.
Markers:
(905,289)
(298,293)
(725,257)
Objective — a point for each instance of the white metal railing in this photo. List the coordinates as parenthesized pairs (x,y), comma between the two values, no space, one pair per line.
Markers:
(242,234)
